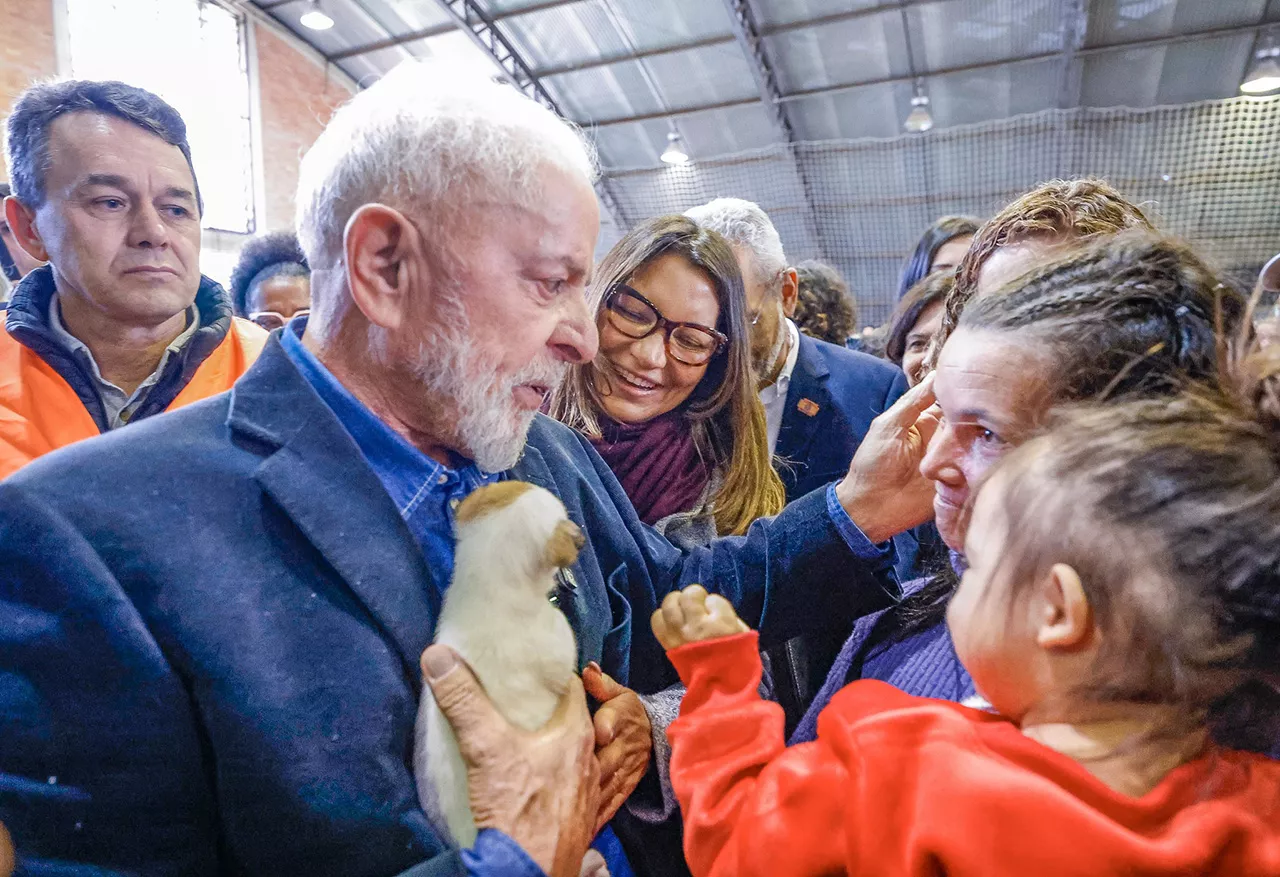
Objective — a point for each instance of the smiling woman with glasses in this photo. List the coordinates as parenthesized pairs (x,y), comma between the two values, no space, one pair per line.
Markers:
(670,401)
(271,283)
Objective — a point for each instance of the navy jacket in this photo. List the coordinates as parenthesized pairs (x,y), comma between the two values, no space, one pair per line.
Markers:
(833,396)
(212,623)
(27,320)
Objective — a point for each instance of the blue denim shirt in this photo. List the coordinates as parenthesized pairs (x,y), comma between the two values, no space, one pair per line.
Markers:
(426,492)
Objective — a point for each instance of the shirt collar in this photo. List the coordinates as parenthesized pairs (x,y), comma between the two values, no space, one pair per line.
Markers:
(407,474)
(80,350)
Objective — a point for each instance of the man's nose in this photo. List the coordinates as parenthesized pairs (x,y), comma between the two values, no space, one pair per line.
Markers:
(575,338)
(147,228)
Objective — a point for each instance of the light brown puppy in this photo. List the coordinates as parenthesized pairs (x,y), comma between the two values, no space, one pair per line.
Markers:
(512,537)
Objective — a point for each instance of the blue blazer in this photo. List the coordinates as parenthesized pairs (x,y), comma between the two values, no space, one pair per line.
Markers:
(833,396)
(211,624)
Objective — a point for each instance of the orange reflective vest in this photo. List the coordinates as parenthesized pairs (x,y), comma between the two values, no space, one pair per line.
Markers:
(40,412)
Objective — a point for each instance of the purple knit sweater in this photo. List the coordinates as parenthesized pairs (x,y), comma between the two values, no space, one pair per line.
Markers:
(924,664)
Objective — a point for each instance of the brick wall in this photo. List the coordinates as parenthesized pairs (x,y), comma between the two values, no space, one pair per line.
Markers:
(26,46)
(297,96)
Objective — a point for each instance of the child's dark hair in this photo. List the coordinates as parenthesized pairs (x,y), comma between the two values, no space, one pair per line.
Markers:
(1172,520)
(1131,315)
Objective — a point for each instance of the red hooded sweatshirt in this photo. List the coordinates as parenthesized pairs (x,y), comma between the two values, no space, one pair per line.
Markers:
(902,785)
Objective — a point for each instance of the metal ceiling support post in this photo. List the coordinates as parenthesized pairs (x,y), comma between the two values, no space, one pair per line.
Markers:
(469,17)
(745,31)
(1075,28)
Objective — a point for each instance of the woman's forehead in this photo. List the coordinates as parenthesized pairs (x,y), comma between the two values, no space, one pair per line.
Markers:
(992,372)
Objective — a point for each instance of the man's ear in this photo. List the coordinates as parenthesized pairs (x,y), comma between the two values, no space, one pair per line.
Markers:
(1066,620)
(22,222)
(790,291)
(381,245)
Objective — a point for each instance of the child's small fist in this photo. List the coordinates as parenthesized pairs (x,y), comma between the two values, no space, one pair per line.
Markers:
(692,615)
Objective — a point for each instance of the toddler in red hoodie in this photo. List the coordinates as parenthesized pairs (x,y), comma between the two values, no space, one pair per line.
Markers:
(1121,614)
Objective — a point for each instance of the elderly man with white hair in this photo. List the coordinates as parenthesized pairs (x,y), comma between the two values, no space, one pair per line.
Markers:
(215,621)
(819,400)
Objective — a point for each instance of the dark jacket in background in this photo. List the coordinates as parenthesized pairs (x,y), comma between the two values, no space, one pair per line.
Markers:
(212,623)
(833,396)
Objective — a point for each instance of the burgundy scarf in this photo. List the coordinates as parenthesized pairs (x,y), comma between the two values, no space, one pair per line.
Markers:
(656,462)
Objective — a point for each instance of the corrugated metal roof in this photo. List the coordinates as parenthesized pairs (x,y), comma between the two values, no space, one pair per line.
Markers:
(631,71)
(844,69)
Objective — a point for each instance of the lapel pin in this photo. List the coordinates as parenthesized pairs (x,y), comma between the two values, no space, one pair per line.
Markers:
(808,407)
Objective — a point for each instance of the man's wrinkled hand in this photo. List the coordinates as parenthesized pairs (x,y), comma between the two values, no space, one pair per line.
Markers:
(540,788)
(884,492)
(624,741)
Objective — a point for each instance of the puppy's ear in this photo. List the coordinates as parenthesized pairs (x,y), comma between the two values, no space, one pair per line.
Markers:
(564,544)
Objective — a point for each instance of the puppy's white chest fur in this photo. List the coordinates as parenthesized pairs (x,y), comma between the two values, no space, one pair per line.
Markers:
(512,537)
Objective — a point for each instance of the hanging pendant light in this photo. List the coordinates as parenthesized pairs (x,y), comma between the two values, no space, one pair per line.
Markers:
(675,153)
(314,18)
(919,119)
(1265,75)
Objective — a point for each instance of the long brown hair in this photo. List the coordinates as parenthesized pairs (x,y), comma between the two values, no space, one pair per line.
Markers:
(724,410)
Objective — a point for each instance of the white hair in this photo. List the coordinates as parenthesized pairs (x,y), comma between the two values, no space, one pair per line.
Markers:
(743,224)
(427,140)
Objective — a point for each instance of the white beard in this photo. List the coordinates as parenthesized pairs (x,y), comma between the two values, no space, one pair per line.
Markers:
(486,423)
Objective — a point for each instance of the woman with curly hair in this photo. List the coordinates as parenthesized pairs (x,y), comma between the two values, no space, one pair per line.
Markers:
(271,284)
(825,308)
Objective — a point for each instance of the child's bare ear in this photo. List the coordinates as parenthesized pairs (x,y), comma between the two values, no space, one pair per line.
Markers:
(1066,620)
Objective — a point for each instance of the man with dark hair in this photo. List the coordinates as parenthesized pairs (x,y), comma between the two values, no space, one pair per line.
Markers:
(271,283)
(120,324)
(14,261)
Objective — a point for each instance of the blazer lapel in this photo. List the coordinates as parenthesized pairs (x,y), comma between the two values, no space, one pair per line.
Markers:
(315,473)
(808,405)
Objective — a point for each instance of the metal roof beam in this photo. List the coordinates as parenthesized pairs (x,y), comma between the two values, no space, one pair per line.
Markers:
(439,29)
(471,19)
(1151,42)
(726,39)
(705,43)
(743,22)
(1075,30)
